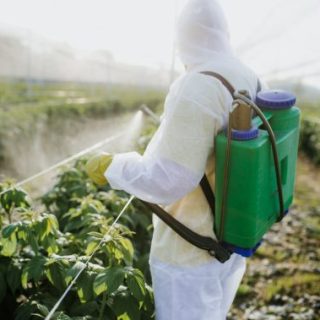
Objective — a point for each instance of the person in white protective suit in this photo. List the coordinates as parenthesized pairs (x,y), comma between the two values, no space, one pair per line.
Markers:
(188,283)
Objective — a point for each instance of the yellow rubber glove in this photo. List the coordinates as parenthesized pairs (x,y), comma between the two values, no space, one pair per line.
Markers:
(97,166)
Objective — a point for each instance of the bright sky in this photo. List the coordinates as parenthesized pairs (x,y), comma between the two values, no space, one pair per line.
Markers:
(268,34)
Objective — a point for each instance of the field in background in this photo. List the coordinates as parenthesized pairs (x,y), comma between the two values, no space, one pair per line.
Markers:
(16,92)
(53,120)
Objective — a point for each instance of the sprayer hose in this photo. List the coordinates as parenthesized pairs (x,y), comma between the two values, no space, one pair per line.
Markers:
(225,180)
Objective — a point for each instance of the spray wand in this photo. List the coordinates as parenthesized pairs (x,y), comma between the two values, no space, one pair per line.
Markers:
(148,112)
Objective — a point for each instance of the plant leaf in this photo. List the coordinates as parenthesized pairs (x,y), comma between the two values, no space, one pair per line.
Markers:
(33,270)
(13,276)
(85,287)
(127,250)
(109,280)
(8,230)
(136,284)
(73,271)
(91,247)
(56,275)
(126,308)
(9,246)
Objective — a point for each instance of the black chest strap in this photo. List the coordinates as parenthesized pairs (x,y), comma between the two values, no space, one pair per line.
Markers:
(209,244)
(208,192)
(206,188)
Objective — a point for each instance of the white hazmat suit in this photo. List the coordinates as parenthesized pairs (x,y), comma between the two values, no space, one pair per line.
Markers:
(188,283)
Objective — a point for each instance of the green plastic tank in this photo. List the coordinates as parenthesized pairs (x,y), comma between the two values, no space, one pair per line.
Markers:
(252,204)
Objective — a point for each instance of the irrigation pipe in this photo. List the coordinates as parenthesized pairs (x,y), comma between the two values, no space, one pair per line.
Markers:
(63,162)
(105,238)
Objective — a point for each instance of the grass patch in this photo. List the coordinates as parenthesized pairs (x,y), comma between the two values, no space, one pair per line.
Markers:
(290,283)
(244,291)
(310,139)
(271,253)
(313,225)
(307,184)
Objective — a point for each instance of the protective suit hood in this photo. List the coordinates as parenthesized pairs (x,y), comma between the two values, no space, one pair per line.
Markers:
(202,33)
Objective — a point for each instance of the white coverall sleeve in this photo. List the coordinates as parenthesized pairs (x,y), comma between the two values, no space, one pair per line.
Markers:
(175,159)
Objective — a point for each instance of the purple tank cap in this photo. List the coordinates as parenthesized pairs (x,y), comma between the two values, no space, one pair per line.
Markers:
(245,135)
(275,99)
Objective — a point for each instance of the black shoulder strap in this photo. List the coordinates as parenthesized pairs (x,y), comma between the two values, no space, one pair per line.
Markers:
(222,79)
(206,188)
(226,83)
(206,243)
(208,192)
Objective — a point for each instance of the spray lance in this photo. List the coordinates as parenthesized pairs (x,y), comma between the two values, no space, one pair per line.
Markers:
(148,112)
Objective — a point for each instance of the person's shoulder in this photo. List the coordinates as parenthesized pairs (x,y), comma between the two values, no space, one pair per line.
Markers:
(199,78)
(241,76)
(196,93)
(194,84)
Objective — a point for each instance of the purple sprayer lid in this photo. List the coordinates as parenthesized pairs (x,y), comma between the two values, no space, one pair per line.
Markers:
(275,99)
(243,135)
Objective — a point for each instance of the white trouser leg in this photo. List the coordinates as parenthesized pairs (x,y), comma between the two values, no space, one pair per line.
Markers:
(231,282)
(195,293)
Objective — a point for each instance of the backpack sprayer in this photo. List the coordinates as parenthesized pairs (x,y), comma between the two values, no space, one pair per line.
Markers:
(255,173)
(255,168)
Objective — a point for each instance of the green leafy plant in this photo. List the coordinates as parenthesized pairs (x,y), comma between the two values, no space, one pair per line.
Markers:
(42,250)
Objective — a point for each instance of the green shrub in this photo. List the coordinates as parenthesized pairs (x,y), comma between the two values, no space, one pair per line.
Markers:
(310,139)
(41,251)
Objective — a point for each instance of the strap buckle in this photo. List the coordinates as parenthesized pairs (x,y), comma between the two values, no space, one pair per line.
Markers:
(221,254)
